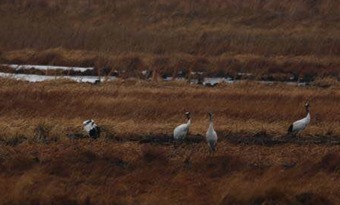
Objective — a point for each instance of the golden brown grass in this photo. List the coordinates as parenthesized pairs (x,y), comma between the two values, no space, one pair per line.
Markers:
(137,107)
(50,168)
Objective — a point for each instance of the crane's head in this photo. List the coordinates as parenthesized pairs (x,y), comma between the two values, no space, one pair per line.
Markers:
(87,122)
(188,115)
(211,115)
(307,106)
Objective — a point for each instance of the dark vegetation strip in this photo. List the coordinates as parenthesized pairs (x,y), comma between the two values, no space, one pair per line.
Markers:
(168,140)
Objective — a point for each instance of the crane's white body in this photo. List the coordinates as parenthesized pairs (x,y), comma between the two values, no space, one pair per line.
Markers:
(181,131)
(211,136)
(300,125)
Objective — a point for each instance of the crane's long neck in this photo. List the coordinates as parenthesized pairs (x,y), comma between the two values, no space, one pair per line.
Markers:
(211,124)
(307,118)
(189,122)
(307,112)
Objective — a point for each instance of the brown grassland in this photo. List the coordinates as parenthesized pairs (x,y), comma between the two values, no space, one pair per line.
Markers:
(40,164)
(134,162)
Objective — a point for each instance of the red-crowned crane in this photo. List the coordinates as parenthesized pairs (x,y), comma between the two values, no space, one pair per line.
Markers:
(91,129)
(300,125)
(181,131)
(211,135)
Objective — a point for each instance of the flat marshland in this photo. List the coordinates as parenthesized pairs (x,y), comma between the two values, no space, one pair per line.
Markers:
(46,158)
(41,164)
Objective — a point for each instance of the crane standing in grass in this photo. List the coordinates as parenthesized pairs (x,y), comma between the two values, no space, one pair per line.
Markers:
(91,129)
(181,131)
(300,125)
(211,135)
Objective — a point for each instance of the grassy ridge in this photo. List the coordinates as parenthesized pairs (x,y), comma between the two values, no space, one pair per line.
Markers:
(171,35)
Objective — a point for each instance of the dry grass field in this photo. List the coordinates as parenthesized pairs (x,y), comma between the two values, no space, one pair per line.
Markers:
(255,162)
(46,158)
